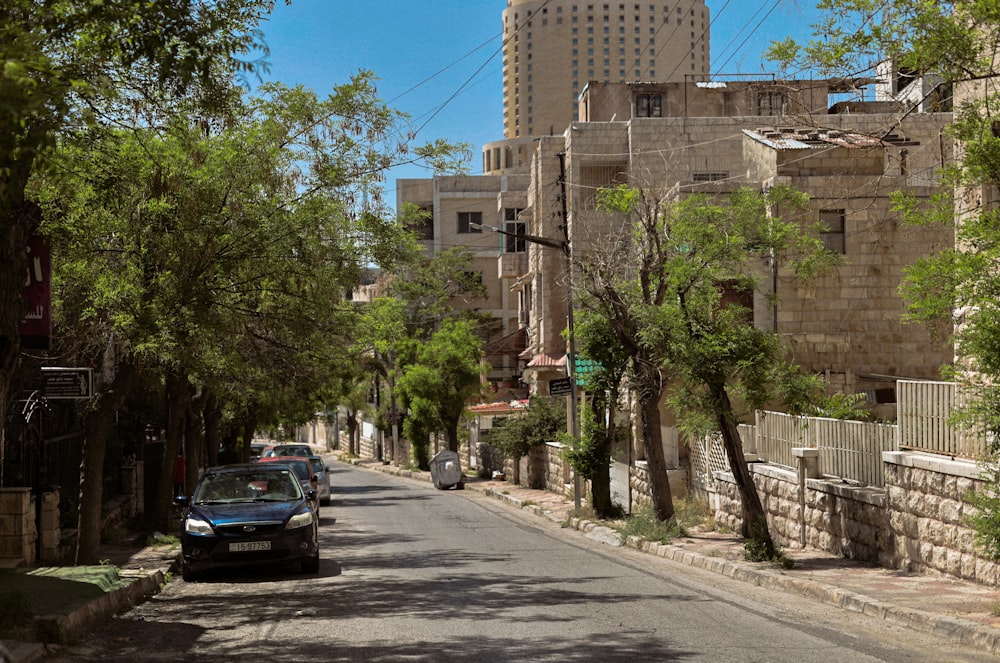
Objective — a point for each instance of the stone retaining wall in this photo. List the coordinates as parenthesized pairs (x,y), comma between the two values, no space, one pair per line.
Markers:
(916,523)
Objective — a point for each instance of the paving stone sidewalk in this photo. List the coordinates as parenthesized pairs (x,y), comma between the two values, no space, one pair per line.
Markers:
(959,610)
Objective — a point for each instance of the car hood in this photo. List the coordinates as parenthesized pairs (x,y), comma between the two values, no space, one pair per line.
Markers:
(241,512)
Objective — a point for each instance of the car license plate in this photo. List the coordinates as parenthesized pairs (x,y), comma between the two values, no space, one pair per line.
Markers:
(249,546)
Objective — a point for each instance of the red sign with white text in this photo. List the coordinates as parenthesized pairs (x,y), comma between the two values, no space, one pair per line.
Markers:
(36,326)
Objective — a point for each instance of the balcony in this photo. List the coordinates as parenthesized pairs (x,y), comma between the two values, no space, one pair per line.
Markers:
(513,265)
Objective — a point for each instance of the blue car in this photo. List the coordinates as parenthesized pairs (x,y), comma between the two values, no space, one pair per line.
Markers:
(253,514)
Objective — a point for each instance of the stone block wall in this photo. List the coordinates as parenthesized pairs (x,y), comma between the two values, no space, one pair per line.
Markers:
(928,507)
(18,533)
(558,474)
(916,523)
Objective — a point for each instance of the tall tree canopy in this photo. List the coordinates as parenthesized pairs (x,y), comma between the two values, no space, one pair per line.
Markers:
(662,283)
(65,64)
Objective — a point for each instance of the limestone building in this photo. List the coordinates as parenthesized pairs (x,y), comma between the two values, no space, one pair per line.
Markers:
(553,48)
(713,138)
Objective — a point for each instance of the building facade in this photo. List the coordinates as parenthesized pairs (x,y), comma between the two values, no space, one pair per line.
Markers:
(553,48)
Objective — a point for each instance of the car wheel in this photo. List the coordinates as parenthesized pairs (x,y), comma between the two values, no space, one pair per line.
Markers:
(188,573)
(310,565)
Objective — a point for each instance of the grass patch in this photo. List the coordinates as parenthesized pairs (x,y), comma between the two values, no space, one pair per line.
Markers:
(159,539)
(689,514)
(643,524)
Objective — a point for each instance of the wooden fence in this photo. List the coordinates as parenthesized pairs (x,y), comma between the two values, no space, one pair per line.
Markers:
(924,416)
(852,450)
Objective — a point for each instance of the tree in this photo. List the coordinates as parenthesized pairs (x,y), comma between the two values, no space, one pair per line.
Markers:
(543,421)
(662,287)
(956,292)
(219,256)
(603,382)
(64,64)
(436,385)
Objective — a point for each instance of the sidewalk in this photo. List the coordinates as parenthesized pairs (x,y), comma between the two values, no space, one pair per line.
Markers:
(73,600)
(954,609)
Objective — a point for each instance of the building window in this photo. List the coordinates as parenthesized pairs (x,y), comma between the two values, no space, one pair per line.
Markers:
(512,225)
(832,231)
(770,103)
(648,105)
(709,177)
(470,222)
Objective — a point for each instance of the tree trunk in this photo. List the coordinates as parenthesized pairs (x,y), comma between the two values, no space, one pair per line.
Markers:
(650,393)
(16,225)
(194,440)
(754,519)
(249,428)
(600,482)
(213,439)
(177,402)
(352,433)
(452,436)
(99,420)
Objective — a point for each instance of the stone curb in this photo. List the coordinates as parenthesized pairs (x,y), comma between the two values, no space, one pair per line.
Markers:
(952,628)
(79,622)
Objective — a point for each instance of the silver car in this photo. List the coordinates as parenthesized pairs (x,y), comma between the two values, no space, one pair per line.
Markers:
(323,476)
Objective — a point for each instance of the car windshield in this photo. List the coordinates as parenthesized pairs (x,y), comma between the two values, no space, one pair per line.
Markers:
(290,451)
(301,469)
(225,487)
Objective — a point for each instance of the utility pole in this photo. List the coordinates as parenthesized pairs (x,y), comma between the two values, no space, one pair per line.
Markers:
(570,327)
(564,246)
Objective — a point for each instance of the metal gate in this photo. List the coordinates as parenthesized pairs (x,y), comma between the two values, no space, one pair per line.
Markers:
(620,493)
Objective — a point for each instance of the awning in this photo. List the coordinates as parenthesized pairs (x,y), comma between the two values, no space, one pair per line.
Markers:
(511,344)
(500,407)
(547,361)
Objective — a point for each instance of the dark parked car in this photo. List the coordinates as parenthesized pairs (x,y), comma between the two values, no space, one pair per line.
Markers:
(301,450)
(303,470)
(322,479)
(249,514)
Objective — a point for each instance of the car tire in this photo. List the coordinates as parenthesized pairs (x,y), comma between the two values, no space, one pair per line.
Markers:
(310,565)
(188,573)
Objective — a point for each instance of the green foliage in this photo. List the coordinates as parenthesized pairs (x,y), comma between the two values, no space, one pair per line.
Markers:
(436,386)
(853,36)
(663,291)
(985,519)
(590,454)
(757,550)
(542,421)
(843,406)
(956,292)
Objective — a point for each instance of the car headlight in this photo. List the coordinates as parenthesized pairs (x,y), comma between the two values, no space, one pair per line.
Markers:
(196,526)
(300,520)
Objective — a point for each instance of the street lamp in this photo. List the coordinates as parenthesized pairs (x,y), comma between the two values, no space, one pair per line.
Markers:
(564,246)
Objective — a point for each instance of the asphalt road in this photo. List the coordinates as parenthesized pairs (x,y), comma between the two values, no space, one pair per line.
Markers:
(410,573)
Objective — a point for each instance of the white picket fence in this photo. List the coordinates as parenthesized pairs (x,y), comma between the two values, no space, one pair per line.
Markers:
(852,450)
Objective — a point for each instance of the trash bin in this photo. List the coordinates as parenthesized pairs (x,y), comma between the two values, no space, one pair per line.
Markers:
(446,470)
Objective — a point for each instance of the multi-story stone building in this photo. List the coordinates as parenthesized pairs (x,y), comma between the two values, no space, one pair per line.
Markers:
(553,48)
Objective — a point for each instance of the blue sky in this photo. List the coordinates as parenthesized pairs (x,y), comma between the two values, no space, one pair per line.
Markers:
(439,61)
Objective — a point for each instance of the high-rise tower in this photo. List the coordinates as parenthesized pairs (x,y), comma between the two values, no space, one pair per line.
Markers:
(553,48)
